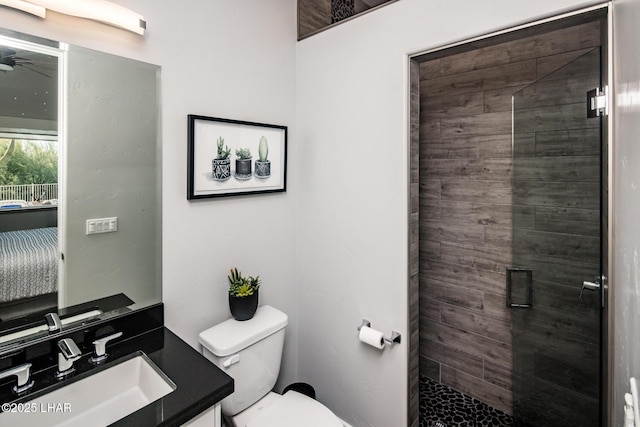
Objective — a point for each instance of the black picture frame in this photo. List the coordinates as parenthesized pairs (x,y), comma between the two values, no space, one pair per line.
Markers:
(209,176)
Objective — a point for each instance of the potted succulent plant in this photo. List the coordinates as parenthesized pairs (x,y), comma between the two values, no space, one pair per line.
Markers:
(221,165)
(243,163)
(243,295)
(263,166)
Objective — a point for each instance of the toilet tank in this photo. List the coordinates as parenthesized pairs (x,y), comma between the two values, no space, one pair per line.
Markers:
(250,352)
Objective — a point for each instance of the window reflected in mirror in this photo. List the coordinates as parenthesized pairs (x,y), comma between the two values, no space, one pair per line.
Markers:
(28,172)
(317,15)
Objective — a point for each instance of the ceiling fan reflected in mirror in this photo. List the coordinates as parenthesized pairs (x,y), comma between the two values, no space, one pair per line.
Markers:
(7,59)
(10,59)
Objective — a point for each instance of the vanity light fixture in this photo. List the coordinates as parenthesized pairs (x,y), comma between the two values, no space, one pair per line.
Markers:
(96,10)
(25,6)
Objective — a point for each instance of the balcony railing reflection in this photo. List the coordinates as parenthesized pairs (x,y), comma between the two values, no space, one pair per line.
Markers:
(28,195)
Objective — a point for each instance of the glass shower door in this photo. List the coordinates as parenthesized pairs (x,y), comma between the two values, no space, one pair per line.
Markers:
(556,326)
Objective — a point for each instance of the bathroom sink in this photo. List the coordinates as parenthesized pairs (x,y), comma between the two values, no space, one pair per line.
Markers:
(99,399)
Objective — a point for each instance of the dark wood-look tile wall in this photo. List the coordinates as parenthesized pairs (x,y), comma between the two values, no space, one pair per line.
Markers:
(414,250)
(469,205)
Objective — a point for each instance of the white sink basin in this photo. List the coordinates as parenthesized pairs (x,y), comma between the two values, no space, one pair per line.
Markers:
(98,400)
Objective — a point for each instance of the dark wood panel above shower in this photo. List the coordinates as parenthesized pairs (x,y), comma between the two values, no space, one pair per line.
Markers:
(315,16)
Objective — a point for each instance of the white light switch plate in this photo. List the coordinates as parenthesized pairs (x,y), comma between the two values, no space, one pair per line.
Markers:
(102,225)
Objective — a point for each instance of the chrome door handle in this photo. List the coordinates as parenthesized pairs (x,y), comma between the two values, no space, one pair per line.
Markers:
(591,286)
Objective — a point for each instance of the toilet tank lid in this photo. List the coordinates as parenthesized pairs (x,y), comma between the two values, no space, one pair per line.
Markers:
(231,336)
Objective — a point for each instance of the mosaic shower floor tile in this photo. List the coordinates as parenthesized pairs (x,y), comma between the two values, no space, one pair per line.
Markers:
(441,406)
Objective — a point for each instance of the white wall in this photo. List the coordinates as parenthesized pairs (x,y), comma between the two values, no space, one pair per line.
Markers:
(352,99)
(233,60)
(626,201)
(225,59)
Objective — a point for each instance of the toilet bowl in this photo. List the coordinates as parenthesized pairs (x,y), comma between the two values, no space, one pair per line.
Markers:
(290,409)
(250,352)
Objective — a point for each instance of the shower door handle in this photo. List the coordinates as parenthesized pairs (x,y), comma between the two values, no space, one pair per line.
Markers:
(590,286)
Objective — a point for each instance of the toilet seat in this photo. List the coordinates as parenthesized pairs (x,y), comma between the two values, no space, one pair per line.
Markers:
(294,409)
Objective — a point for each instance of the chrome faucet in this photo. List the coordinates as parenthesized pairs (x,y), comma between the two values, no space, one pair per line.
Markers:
(23,372)
(100,347)
(53,322)
(69,353)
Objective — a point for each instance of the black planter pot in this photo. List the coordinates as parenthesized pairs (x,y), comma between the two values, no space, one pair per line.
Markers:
(243,308)
(243,169)
(263,169)
(221,169)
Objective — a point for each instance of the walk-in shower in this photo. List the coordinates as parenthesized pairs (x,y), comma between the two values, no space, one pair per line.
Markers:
(510,227)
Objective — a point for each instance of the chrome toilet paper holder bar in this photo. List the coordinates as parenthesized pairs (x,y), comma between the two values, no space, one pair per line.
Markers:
(395,337)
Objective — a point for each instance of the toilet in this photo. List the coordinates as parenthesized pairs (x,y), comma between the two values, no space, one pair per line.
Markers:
(250,352)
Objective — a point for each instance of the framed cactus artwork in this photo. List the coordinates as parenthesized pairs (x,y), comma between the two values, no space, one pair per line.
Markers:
(232,157)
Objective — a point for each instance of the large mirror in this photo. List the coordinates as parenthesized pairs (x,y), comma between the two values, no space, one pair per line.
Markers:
(80,183)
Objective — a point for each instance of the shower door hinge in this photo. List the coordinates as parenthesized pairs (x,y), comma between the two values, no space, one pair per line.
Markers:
(598,102)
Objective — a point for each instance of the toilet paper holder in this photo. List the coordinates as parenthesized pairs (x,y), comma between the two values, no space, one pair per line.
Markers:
(395,337)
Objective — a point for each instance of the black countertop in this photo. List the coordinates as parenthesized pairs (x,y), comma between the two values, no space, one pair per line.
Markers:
(200,384)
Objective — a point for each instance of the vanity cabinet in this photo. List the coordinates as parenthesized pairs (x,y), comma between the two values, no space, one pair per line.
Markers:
(209,418)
